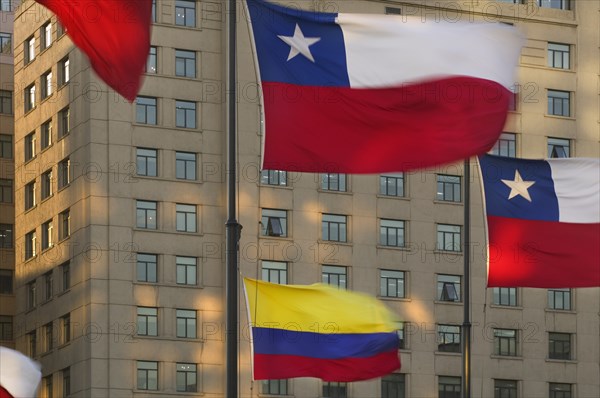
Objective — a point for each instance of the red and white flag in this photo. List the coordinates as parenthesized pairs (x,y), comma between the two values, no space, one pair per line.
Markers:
(19,375)
(366,93)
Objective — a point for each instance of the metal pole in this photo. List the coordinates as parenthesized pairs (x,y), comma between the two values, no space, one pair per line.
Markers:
(232,227)
(466,326)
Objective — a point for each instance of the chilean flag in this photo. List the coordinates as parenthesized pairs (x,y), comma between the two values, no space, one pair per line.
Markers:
(543,220)
(19,375)
(114,34)
(357,93)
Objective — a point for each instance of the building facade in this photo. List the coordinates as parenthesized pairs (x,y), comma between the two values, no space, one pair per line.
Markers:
(119,213)
(7,181)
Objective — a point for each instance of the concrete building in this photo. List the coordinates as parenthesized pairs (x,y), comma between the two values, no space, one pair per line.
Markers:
(119,213)
(7,171)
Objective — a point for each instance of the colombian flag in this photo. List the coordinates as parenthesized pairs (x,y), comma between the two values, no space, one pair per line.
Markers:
(319,331)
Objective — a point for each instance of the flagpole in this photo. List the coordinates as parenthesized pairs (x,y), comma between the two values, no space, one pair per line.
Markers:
(466,326)
(232,227)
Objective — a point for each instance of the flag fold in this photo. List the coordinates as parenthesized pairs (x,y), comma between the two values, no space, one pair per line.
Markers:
(354,93)
(319,331)
(19,375)
(543,221)
(114,34)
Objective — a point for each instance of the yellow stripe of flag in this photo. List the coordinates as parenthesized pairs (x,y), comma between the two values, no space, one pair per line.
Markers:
(316,308)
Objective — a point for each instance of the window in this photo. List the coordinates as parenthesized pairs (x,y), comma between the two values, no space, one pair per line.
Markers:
(29,50)
(448,338)
(6,281)
(560,390)
(65,328)
(46,133)
(6,190)
(31,295)
(64,173)
(505,296)
(335,389)
(147,321)
(334,228)
(46,84)
(559,55)
(64,219)
(32,343)
(448,188)
(48,337)
(6,236)
(153,10)
(333,182)
(64,74)
(185,217)
(186,377)
(6,151)
(146,267)
(273,222)
(185,165)
(146,162)
(146,214)
(391,283)
(185,63)
(559,345)
(48,285)
(391,233)
(185,114)
(30,245)
(449,387)
(505,146)
(46,35)
(335,276)
(559,103)
(273,177)
(6,5)
(5,43)
(448,288)
(47,229)
(6,327)
(559,299)
(559,4)
(448,238)
(505,342)
(29,96)
(30,146)
(274,387)
(151,62)
(505,389)
(145,110)
(185,13)
(186,270)
(46,184)
(6,104)
(147,375)
(60,29)
(393,386)
(393,11)
(64,122)
(186,324)
(274,272)
(47,383)
(65,272)
(401,338)
(66,382)
(559,148)
(392,184)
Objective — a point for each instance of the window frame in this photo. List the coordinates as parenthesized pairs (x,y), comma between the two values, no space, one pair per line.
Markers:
(147,321)
(188,17)
(186,373)
(185,63)
(148,369)
(560,346)
(563,292)
(64,224)
(148,212)
(502,338)
(392,233)
(391,279)
(274,223)
(392,185)
(449,338)
(147,261)
(29,96)
(186,270)
(505,296)
(273,178)
(189,165)
(334,182)
(443,294)
(186,218)
(446,233)
(189,328)
(335,275)
(186,114)
(46,180)
(336,225)
(274,271)
(559,147)
(147,108)
(559,103)
(558,56)
(144,156)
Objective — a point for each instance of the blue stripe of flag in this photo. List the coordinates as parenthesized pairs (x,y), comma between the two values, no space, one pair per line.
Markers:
(319,345)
